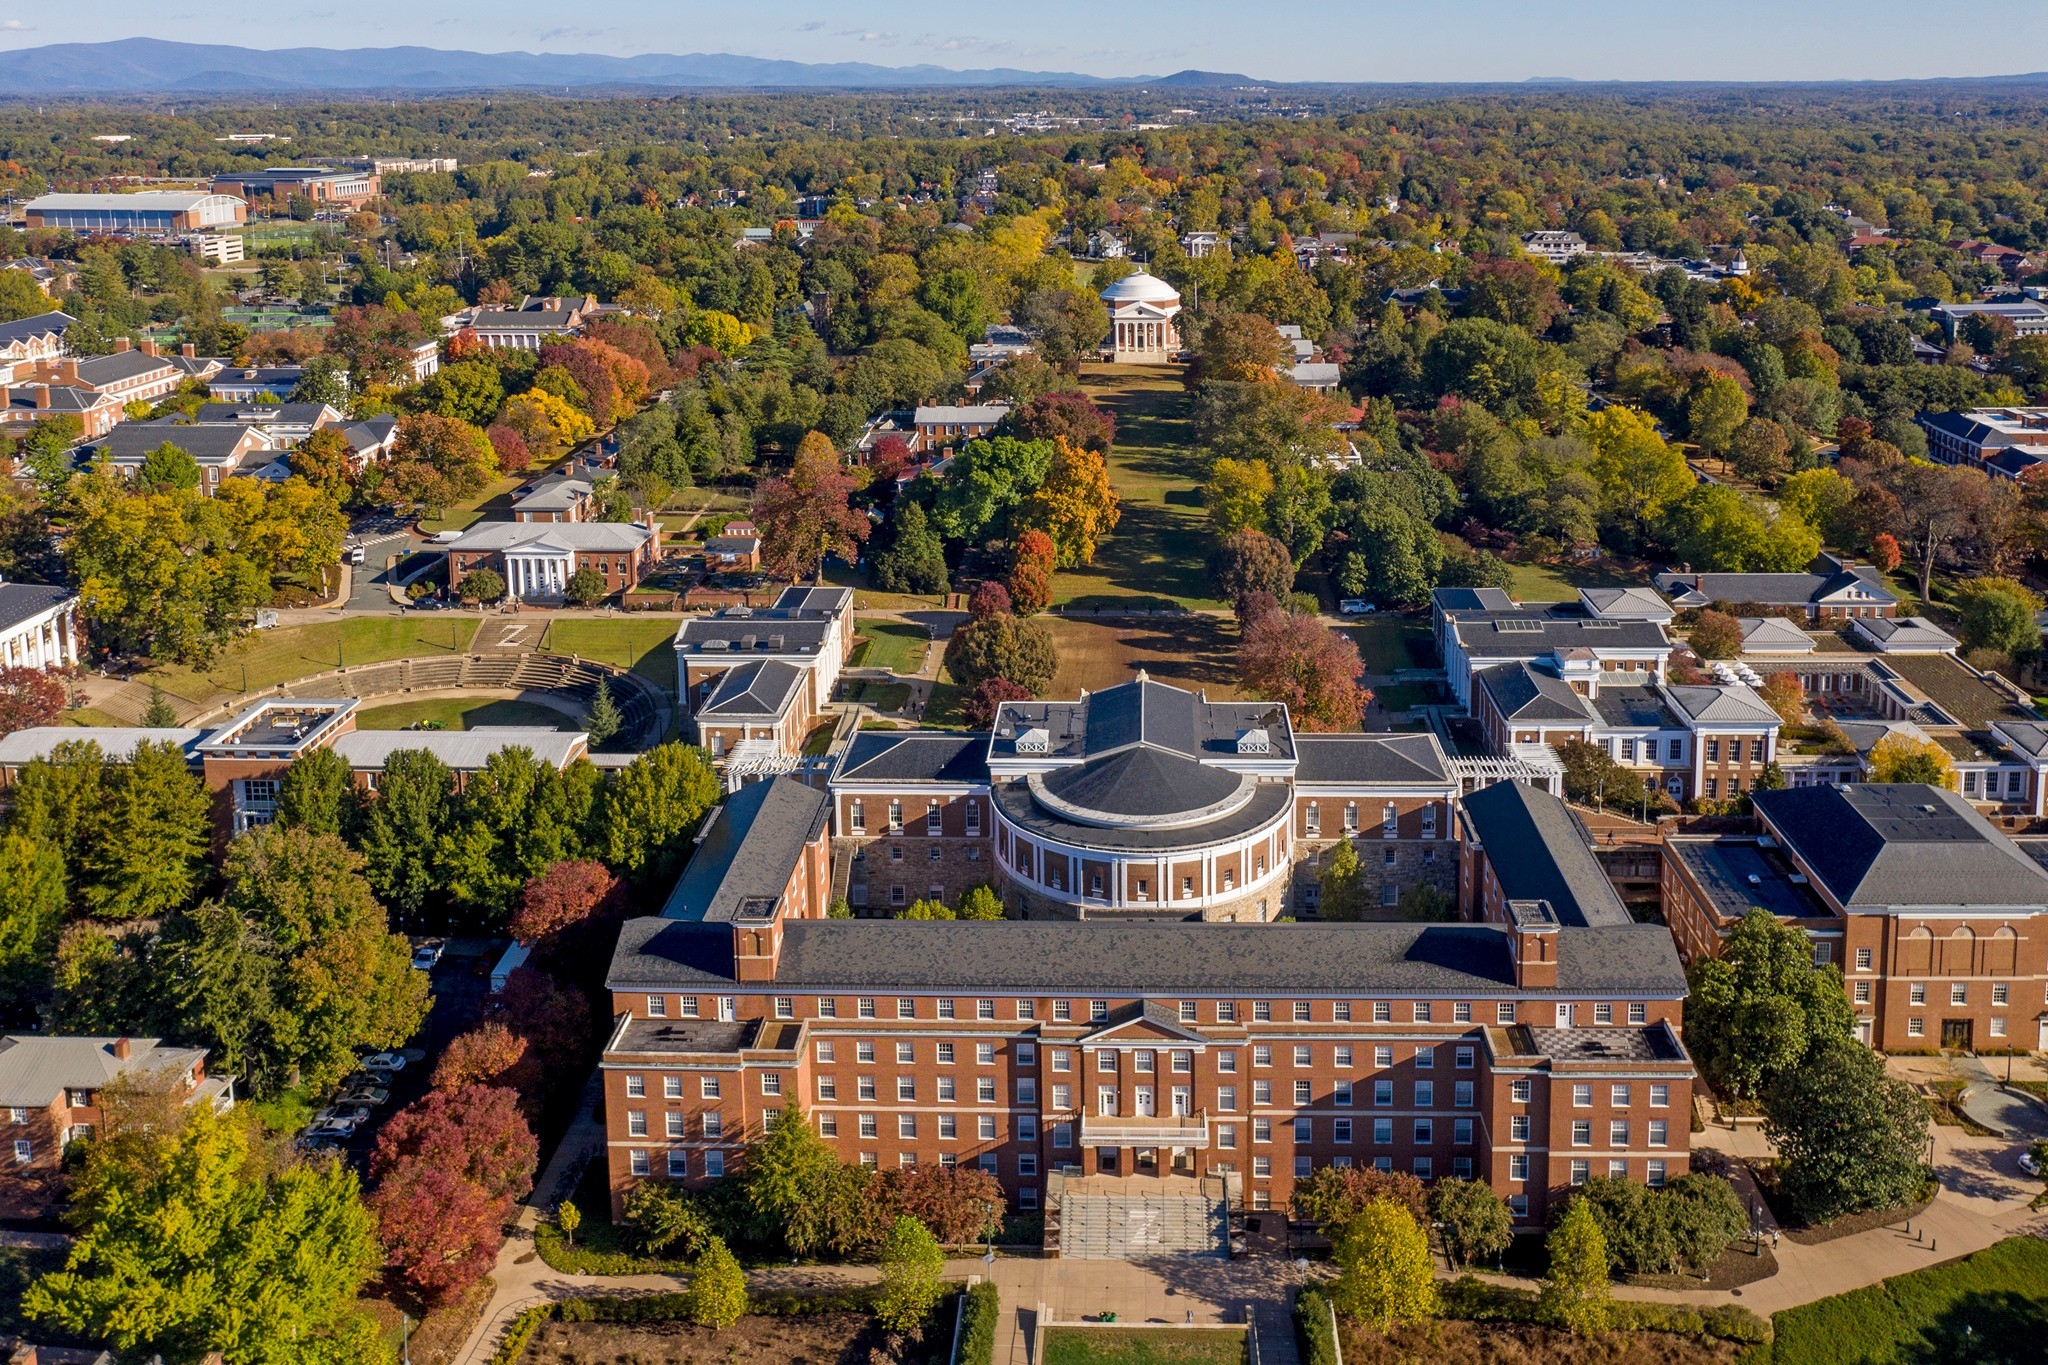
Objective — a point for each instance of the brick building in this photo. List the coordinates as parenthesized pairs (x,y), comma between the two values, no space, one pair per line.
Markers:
(1831,589)
(1532,1055)
(50,1096)
(537,559)
(329,187)
(1938,921)
(787,657)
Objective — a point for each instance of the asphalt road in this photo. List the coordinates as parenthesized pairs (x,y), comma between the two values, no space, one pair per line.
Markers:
(368,592)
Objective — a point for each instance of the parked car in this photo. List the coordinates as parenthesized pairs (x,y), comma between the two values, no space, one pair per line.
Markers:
(2029,1164)
(427,954)
(384,1061)
(339,1132)
(324,1143)
(1356,606)
(345,1112)
(364,1089)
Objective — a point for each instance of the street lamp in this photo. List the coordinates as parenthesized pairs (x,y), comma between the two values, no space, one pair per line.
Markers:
(988,1228)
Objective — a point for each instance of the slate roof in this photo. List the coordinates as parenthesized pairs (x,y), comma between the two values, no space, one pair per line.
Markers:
(462,750)
(101,370)
(1371,760)
(1143,781)
(1520,692)
(759,687)
(745,854)
(1143,712)
(41,325)
(21,601)
(1267,802)
(1538,852)
(206,442)
(1774,589)
(35,1069)
(915,757)
(1726,704)
(1163,956)
(264,414)
(1882,846)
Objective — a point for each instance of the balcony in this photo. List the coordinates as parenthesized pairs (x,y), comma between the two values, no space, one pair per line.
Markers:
(1146,1130)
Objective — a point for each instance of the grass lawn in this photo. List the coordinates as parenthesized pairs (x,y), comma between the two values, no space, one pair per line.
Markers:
(1141,1346)
(1189,651)
(265,658)
(462,515)
(1384,643)
(1401,696)
(459,713)
(90,715)
(898,646)
(880,695)
(647,646)
(1561,582)
(866,598)
(1159,545)
(1992,1306)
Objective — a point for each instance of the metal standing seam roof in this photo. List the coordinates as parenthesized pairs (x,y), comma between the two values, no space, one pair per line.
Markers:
(1883,846)
(1774,635)
(116,742)
(582,537)
(145,201)
(1538,852)
(746,853)
(462,750)
(1154,956)
(1727,704)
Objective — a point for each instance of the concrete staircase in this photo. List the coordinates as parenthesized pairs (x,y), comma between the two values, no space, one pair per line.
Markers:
(1126,1227)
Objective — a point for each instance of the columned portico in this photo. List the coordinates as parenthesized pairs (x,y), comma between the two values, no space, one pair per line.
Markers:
(534,575)
(40,627)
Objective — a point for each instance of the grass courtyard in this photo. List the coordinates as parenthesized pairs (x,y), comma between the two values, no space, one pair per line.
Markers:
(1157,551)
(1141,1346)
(265,658)
(461,713)
(1992,1306)
(1191,651)
(646,645)
(898,646)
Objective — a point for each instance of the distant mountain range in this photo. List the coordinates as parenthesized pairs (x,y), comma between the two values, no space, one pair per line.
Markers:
(153,66)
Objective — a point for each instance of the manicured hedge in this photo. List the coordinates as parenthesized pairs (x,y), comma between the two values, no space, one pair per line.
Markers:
(521,1332)
(1995,1295)
(978,1329)
(1313,1327)
(1474,1300)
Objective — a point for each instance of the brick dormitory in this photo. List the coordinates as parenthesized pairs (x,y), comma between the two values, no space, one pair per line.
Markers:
(1146,1019)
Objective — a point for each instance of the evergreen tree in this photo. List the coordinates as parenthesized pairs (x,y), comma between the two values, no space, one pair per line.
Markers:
(1575,1292)
(604,721)
(1388,1277)
(916,560)
(1849,1137)
(789,1174)
(32,899)
(317,793)
(158,715)
(403,826)
(651,808)
(151,844)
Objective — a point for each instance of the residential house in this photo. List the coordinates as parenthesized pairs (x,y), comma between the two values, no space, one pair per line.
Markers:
(941,427)
(1831,589)
(50,1094)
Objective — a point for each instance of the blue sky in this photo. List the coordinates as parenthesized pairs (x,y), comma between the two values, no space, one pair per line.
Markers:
(1334,40)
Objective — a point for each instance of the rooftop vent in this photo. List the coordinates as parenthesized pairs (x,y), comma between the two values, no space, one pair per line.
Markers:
(1255,741)
(1036,740)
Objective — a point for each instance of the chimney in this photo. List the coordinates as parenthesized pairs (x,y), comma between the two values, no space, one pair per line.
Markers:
(42,395)
(67,371)
(148,346)
(120,345)
(189,351)
(121,1049)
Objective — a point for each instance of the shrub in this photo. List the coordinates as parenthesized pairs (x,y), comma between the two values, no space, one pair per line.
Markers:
(1313,1327)
(978,1326)
(521,1332)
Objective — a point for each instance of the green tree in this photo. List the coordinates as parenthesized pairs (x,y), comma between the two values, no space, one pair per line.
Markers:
(1473,1221)
(1340,891)
(913,1276)
(986,482)
(1850,1138)
(402,828)
(1001,646)
(169,466)
(663,1217)
(62,798)
(585,588)
(1575,1292)
(1713,411)
(981,903)
(1999,614)
(150,850)
(265,1264)
(915,560)
(317,794)
(927,909)
(604,720)
(1387,1278)
(788,1178)
(1704,1217)
(46,452)
(158,715)
(1759,1009)
(651,808)
(484,856)
(1715,635)
(33,894)
(482,585)
(717,1294)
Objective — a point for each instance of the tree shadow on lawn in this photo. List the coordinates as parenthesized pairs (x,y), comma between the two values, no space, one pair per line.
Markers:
(1152,553)
(2001,1328)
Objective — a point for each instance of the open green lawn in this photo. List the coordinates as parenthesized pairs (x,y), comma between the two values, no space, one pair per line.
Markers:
(265,658)
(1561,582)
(1992,1306)
(880,695)
(1160,542)
(1383,642)
(644,644)
(898,646)
(1141,1346)
(461,713)
(90,715)
(495,499)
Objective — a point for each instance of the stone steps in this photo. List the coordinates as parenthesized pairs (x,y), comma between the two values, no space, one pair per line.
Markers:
(1127,1227)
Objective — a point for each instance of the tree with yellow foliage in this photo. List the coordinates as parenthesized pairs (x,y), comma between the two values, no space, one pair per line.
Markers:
(1899,757)
(547,423)
(1075,505)
(1237,494)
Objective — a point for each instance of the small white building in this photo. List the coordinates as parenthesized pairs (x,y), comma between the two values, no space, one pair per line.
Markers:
(38,626)
(1142,320)
(1555,247)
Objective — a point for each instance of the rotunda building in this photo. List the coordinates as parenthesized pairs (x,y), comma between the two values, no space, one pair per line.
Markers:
(1142,326)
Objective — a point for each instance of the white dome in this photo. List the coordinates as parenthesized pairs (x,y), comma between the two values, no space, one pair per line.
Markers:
(1141,288)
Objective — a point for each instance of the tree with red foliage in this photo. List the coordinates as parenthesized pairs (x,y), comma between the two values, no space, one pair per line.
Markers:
(1031,567)
(475,1132)
(638,339)
(809,515)
(442,1232)
(953,1202)
(1885,552)
(567,898)
(464,345)
(556,1023)
(1069,413)
(990,598)
(489,1054)
(30,697)
(1249,562)
(1288,657)
(376,343)
(888,457)
(513,453)
(691,359)
(979,710)
(600,393)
